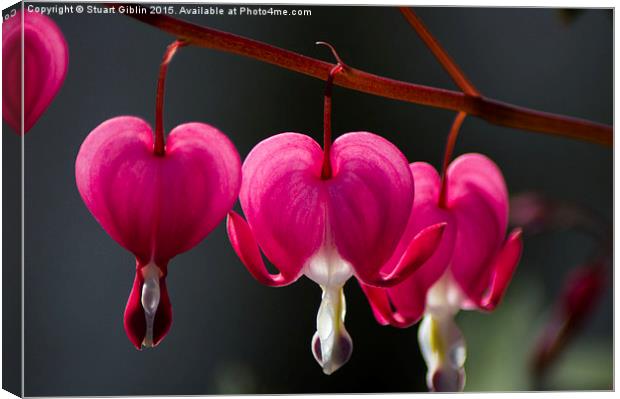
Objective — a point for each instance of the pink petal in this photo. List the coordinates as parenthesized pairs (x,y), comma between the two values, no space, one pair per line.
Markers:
(409,297)
(157,207)
(478,198)
(503,268)
(118,178)
(284,201)
(134,318)
(46,62)
(420,249)
(244,244)
(383,309)
(477,172)
(292,212)
(201,177)
(370,200)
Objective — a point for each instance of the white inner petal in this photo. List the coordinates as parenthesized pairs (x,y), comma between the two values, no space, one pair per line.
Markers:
(331,344)
(150,299)
(443,349)
(444,297)
(327,268)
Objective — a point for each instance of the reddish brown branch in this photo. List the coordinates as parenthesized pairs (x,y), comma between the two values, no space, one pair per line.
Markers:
(442,56)
(491,110)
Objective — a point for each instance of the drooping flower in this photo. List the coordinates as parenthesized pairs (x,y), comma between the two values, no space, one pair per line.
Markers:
(583,286)
(328,228)
(156,206)
(156,200)
(329,213)
(45,61)
(582,291)
(479,267)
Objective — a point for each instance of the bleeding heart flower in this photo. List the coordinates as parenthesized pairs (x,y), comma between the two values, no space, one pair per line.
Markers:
(46,59)
(330,214)
(479,266)
(156,201)
(328,228)
(156,206)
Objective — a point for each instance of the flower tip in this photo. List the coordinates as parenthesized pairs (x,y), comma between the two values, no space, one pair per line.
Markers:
(331,344)
(516,234)
(245,246)
(504,267)
(447,380)
(340,354)
(443,348)
(148,314)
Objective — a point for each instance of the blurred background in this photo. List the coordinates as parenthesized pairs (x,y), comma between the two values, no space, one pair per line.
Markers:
(230,333)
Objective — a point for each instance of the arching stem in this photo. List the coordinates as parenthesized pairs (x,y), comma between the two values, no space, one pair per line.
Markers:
(451,142)
(160,146)
(326,170)
(457,75)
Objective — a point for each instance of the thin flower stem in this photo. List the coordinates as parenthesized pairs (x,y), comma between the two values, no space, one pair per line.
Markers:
(450,143)
(326,171)
(160,147)
(491,110)
(438,51)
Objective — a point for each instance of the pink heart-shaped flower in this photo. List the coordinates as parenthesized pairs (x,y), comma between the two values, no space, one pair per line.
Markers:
(46,59)
(473,249)
(471,268)
(156,206)
(329,228)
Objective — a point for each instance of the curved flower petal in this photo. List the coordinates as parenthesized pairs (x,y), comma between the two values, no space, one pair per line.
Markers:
(46,60)
(478,172)
(244,244)
(283,199)
(371,195)
(409,297)
(135,320)
(117,182)
(200,181)
(421,248)
(361,210)
(478,198)
(503,268)
(383,309)
(157,207)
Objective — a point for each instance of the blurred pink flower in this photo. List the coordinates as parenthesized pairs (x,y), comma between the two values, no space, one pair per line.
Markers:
(582,290)
(46,59)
